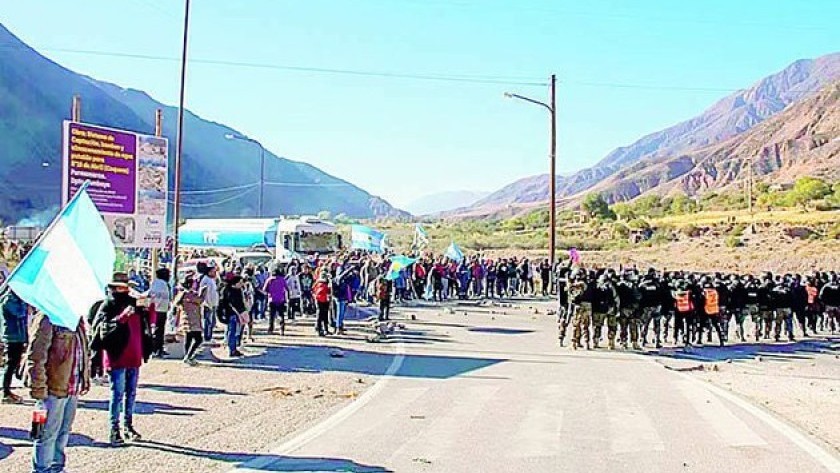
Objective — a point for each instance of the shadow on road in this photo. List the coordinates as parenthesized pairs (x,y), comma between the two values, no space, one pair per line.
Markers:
(144,408)
(11,438)
(786,351)
(202,391)
(322,358)
(499,330)
(261,462)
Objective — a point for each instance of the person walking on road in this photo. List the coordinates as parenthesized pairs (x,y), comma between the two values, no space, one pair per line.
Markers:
(322,293)
(160,293)
(15,337)
(188,304)
(277,290)
(208,289)
(234,312)
(59,372)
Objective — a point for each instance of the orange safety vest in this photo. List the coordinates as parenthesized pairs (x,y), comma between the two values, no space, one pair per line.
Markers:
(812,294)
(684,301)
(711,296)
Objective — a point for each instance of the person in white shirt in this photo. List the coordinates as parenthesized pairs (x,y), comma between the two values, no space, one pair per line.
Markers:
(160,294)
(209,292)
(293,285)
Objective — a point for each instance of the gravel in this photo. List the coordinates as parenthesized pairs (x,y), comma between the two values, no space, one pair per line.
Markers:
(214,416)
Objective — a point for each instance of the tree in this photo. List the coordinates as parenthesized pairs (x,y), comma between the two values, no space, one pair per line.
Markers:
(325,215)
(623,210)
(596,206)
(683,204)
(808,189)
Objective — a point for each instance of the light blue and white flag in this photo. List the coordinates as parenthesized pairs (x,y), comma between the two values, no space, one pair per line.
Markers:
(421,238)
(368,239)
(398,263)
(69,267)
(454,253)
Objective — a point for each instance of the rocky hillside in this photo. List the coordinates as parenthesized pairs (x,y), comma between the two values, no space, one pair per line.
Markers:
(727,118)
(804,139)
(35,96)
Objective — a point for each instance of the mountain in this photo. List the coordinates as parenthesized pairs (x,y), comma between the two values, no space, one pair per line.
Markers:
(729,117)
(443,201)
(35,96)
(802,140)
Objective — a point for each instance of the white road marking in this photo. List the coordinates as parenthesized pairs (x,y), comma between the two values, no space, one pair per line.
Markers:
(539,432)
(808,445)
(260,463)
(729,428)
(631,430)
(448,430)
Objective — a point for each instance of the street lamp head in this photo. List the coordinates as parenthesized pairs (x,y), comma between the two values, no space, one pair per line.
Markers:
(230,136)
(508,95)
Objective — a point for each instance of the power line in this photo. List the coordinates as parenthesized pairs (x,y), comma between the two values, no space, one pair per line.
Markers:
(218,202)
(472,79)
(219,190)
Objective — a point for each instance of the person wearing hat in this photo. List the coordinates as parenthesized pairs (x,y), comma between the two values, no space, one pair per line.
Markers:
(122,330)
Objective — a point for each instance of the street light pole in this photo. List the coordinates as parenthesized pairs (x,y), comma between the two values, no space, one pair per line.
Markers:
(180,149)
(552,185)
(232,136)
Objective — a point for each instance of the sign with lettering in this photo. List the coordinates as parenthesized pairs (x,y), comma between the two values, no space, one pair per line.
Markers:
(128,174)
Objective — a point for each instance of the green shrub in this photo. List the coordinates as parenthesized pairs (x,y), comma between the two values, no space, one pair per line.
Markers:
(733,241)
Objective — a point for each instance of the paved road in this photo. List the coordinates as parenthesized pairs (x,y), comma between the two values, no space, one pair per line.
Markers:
(493,393)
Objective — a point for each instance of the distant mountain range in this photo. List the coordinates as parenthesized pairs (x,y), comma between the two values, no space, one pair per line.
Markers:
(35,96)
(705,152)
(443,201)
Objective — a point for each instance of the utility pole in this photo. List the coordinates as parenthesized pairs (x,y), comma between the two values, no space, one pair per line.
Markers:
(180,147)
(552,190)
(750,194)
(76,109)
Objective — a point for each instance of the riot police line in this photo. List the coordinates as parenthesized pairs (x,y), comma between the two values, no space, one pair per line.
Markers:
(659,307)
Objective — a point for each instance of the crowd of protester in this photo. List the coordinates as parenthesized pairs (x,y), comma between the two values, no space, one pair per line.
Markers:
(129,327)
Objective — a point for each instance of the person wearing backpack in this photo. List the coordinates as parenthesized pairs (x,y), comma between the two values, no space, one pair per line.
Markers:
(15,337)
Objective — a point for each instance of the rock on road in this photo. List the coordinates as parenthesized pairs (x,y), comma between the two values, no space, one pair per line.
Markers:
(494,393)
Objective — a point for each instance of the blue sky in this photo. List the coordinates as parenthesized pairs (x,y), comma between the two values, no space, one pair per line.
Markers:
(625,69)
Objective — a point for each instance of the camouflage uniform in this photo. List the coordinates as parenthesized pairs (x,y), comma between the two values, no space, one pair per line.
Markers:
(580,314)
(581,322)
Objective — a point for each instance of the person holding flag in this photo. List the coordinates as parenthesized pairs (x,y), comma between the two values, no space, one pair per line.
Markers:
(63,275)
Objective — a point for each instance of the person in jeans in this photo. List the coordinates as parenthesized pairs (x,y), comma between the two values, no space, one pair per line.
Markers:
(15,337)
(59,373)
(188,303)
(209,291)
(122,325)
(160,294)
(322,292)
(277,291)
(234,313)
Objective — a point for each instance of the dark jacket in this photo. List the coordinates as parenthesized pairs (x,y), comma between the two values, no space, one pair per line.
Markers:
(14,319)
(111,336)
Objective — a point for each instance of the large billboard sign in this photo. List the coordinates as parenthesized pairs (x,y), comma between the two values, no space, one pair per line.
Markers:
(128,175)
